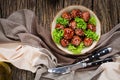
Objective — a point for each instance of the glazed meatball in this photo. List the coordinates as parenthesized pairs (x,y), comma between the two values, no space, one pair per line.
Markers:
(88,42)
(86,16)
(59,26)
(91,27)
(76,13)
(64,42)
(66,16)
(76,40)
(79,32)
(68,33)
(72,24)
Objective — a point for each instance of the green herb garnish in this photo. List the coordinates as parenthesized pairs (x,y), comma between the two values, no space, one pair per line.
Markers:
(80,23)
(62,21)
(92,20)
(91,34)
(76,50)
(57,35)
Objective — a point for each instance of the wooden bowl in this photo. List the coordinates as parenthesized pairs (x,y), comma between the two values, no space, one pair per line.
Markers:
(82,8)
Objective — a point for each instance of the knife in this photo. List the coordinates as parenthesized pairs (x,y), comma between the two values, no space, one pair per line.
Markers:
(67,69)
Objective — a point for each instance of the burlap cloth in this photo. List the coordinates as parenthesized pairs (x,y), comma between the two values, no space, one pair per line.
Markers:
(42,53)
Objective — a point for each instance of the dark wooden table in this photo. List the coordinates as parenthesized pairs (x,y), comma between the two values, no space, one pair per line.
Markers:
(108,11)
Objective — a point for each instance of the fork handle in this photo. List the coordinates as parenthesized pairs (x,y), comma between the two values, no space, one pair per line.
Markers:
(98,54)
(98,62)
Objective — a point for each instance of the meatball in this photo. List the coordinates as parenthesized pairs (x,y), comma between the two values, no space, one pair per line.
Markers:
(64,42)
(88,42)
(86,16)
(59,26)
(76,40)
(79,32)
(91,27)
(66,16)
(72,24)
(68,33)
(76,13)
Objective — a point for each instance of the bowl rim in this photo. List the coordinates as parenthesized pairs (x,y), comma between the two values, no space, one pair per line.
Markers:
(86,9)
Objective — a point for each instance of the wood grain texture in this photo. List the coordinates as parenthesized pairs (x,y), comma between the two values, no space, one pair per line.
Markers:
(107,11)
(46,10)
(9,6)
(86,3)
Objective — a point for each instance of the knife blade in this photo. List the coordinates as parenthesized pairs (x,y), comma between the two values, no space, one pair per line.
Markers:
(66,69)
(81,64)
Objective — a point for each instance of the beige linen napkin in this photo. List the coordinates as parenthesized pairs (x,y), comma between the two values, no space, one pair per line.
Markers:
(22,26)
(28,58)
(111,71)
(108,71)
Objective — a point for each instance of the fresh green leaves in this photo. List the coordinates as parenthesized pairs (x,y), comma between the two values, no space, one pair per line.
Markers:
(76,50)
(81,23)
(62,21)
(57,35)
(91,34)
(92,20)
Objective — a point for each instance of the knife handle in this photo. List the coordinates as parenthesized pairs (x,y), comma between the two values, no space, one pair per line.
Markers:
(95,63)
(98,54)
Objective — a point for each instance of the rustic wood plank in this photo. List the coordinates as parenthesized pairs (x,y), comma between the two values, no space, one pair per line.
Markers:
(46,10)
(18,74)
(107,12)
(10,6)
(118,9)
(30,76)
(86,3)
(0,10)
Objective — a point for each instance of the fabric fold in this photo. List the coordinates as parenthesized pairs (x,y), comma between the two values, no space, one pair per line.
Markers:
(28,57)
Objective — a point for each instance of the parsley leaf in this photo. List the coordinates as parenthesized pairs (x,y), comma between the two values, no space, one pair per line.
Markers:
(91,34)
(62,21)
(57,35)
(76,50)
(92,20)
(81,23)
